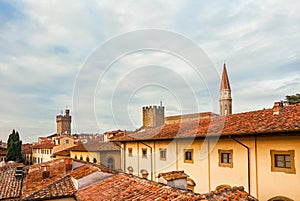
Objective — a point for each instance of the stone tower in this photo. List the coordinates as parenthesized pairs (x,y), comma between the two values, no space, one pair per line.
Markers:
(63,123)
(153,116)
(225,94)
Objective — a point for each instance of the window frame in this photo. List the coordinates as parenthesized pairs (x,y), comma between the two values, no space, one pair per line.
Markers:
(274,168)
(228,152)
(130,151)
(144,155)
(192,156)
(161,150)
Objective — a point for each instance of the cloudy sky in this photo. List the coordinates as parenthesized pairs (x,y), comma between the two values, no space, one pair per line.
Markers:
(86,55)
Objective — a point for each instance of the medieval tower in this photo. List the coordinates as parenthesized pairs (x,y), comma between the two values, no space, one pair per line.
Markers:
(63,123)
(225,94)
(153,116)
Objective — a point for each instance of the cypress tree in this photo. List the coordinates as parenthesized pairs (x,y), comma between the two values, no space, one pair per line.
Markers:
(14,146)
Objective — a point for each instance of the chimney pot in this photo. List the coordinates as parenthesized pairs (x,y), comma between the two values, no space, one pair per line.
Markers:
(277,108)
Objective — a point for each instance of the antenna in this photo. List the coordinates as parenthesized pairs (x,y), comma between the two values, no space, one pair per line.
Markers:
(61,112)
(160,103)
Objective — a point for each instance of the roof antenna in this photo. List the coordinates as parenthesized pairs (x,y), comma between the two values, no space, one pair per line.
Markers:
(160,103)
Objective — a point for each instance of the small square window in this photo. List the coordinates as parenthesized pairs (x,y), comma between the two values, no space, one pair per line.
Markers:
(130,152)
(283,161)
(144,152)
(188,156)
(163,154)
(67,141)
(225,158)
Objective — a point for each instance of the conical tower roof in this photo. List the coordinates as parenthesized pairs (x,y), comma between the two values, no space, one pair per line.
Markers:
(225,81)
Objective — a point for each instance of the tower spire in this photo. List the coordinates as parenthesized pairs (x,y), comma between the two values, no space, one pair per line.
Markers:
(225,94)
(225,81)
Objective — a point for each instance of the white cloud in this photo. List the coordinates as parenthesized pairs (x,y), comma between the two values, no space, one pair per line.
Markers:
(43,44)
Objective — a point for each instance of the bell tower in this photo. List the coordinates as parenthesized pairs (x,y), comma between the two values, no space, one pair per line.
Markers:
(225,94)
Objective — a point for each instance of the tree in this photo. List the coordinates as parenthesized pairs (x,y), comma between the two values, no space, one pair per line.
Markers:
(14,145)
(292,99)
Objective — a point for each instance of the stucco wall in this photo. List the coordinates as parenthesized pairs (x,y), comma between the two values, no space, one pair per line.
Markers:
(208,174)
(271,184)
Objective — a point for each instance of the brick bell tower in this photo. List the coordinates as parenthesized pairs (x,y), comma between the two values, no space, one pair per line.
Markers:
(63,123)
(225,94)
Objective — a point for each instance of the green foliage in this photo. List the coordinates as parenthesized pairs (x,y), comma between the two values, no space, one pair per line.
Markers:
(292,99)
(14,146)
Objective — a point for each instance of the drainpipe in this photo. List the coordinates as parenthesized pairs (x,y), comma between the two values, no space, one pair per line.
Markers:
(150,160)
(248,161)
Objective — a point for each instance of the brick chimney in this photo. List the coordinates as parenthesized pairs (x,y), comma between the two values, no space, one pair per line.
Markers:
(277,108)
(68,162)
(45,171)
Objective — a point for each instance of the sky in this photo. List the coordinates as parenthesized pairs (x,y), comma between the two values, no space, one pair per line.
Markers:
(105,60)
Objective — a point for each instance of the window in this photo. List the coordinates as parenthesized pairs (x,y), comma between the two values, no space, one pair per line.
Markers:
(130,152)
(111,163)
(94,160)
(87,159)
(283,161)
(188,155)
(144,152)
(225,158)
(81,158)
(75,156)
(67,141)
(163,154)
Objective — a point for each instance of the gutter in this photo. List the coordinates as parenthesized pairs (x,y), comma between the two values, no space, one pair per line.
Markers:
(150,159)
(248,160)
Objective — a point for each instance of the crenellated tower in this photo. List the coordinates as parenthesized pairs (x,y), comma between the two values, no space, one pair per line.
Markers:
(153,116)
(225,94)
(63,123)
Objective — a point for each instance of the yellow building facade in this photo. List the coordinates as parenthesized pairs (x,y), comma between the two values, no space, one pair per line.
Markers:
(259,150)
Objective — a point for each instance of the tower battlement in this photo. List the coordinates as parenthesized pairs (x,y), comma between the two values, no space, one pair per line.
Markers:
(63,123)
(153,116)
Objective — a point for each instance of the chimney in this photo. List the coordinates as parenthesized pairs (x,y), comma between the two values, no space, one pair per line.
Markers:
(68,162)
(277,108)
(46,171)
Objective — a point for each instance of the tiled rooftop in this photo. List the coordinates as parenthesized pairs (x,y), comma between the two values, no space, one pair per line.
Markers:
(96,146)
(62,153)
(27,148)
(169,176)
(10,186)
(48,145)
(248,123)
(128,187)
(63,187)
(59,180)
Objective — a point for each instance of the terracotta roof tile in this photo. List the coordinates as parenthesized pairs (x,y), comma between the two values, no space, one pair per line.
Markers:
(10,186)
(169,176)
(62,153)
(248,123)
(128,187)
(27,148)
(35,187)
(96,146)
(48,145)
(63,187)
